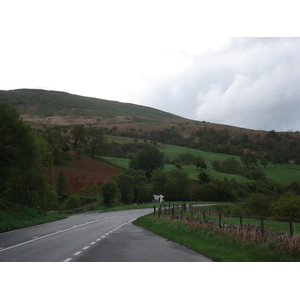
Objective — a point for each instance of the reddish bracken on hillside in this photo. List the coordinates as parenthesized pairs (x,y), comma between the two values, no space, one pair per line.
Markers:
(84,172)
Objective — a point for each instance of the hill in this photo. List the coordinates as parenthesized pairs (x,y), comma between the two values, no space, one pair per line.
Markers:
(40,105)
(60,109)
(53,108)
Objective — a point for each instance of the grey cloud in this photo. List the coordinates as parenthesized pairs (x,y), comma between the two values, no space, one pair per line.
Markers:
(250,82)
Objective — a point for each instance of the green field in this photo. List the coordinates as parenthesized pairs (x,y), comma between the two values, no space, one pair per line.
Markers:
(282,173)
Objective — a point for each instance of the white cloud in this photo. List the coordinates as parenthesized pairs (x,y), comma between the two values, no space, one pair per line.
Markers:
(171,55)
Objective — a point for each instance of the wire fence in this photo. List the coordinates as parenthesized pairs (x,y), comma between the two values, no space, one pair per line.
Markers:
(264,225)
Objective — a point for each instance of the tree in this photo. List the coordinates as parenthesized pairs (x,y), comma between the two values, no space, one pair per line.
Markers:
(199,162)
(94,138)
(147,159)
(108,191)
(288,206)
(18,146)
(203,177)
(230,166)
(78,135)
(21,177)
(264,162)
(177,186)
(124,183)
(186,158)
(61,184)
(249,160)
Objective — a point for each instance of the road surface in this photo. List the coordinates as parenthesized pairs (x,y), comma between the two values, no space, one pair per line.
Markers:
(92,237)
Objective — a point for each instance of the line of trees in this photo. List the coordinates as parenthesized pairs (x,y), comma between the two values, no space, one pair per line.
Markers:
(275,147)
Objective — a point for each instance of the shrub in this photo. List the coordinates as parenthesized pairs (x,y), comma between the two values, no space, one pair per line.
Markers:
(288,206)
(72,202)
(108,191)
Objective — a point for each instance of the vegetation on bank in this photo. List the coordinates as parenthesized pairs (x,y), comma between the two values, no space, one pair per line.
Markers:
(15,216)
(215,245)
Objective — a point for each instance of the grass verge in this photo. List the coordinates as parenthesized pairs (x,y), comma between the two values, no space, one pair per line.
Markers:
(214,245)
(14,216)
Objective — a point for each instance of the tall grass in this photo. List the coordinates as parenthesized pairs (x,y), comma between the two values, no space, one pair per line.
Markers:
(214,244)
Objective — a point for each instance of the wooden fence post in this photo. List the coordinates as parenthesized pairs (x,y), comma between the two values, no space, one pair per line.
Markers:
(181,214)
(262,226)
(154,210)
(172,213)
(204,219)
(241,220)
(291,227)
(220,220)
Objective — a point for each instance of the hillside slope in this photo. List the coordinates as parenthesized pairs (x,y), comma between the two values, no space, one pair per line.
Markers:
(36,105)
(53,108)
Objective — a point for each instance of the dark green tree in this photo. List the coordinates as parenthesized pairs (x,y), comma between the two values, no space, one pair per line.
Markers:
(264,162)
(61,184)
(78,135)
(203,178)
(249,160)
(108,191)
(124,183)
(177,186)
(94,138)
(288,206)
(18,145)
(199,162)
(186,158)
(147,159)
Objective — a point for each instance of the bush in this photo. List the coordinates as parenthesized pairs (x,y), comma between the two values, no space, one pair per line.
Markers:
(288,206)
(108,191)
(259,205)
(72,202)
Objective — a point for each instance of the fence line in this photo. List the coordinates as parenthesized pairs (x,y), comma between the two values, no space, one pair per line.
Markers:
(190,212)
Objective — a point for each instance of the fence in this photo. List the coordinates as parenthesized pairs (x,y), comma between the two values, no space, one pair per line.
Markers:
(266,225)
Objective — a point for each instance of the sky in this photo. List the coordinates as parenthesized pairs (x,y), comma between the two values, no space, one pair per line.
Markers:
(227,62)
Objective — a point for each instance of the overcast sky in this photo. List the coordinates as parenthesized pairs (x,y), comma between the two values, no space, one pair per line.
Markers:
(172,55)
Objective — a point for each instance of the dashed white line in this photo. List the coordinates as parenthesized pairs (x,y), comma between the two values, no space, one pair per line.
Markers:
(67,260)
(51,234)
(99,239)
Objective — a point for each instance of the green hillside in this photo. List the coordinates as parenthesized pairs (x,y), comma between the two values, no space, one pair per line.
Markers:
(52,103)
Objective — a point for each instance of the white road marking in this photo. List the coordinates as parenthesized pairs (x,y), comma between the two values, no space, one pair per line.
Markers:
(77,253)
(92,243)
(54,233)
(86,247)
(68,259)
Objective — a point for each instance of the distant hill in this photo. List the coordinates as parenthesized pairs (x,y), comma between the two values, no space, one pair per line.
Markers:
(42,107)
(39,104)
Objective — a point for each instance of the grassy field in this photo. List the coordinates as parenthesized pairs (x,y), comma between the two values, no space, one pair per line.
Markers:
(282,173)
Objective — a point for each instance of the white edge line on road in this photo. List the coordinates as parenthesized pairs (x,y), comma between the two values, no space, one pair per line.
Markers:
(54,233)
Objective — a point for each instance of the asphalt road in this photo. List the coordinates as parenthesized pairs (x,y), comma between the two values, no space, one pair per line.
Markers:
(92,237)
